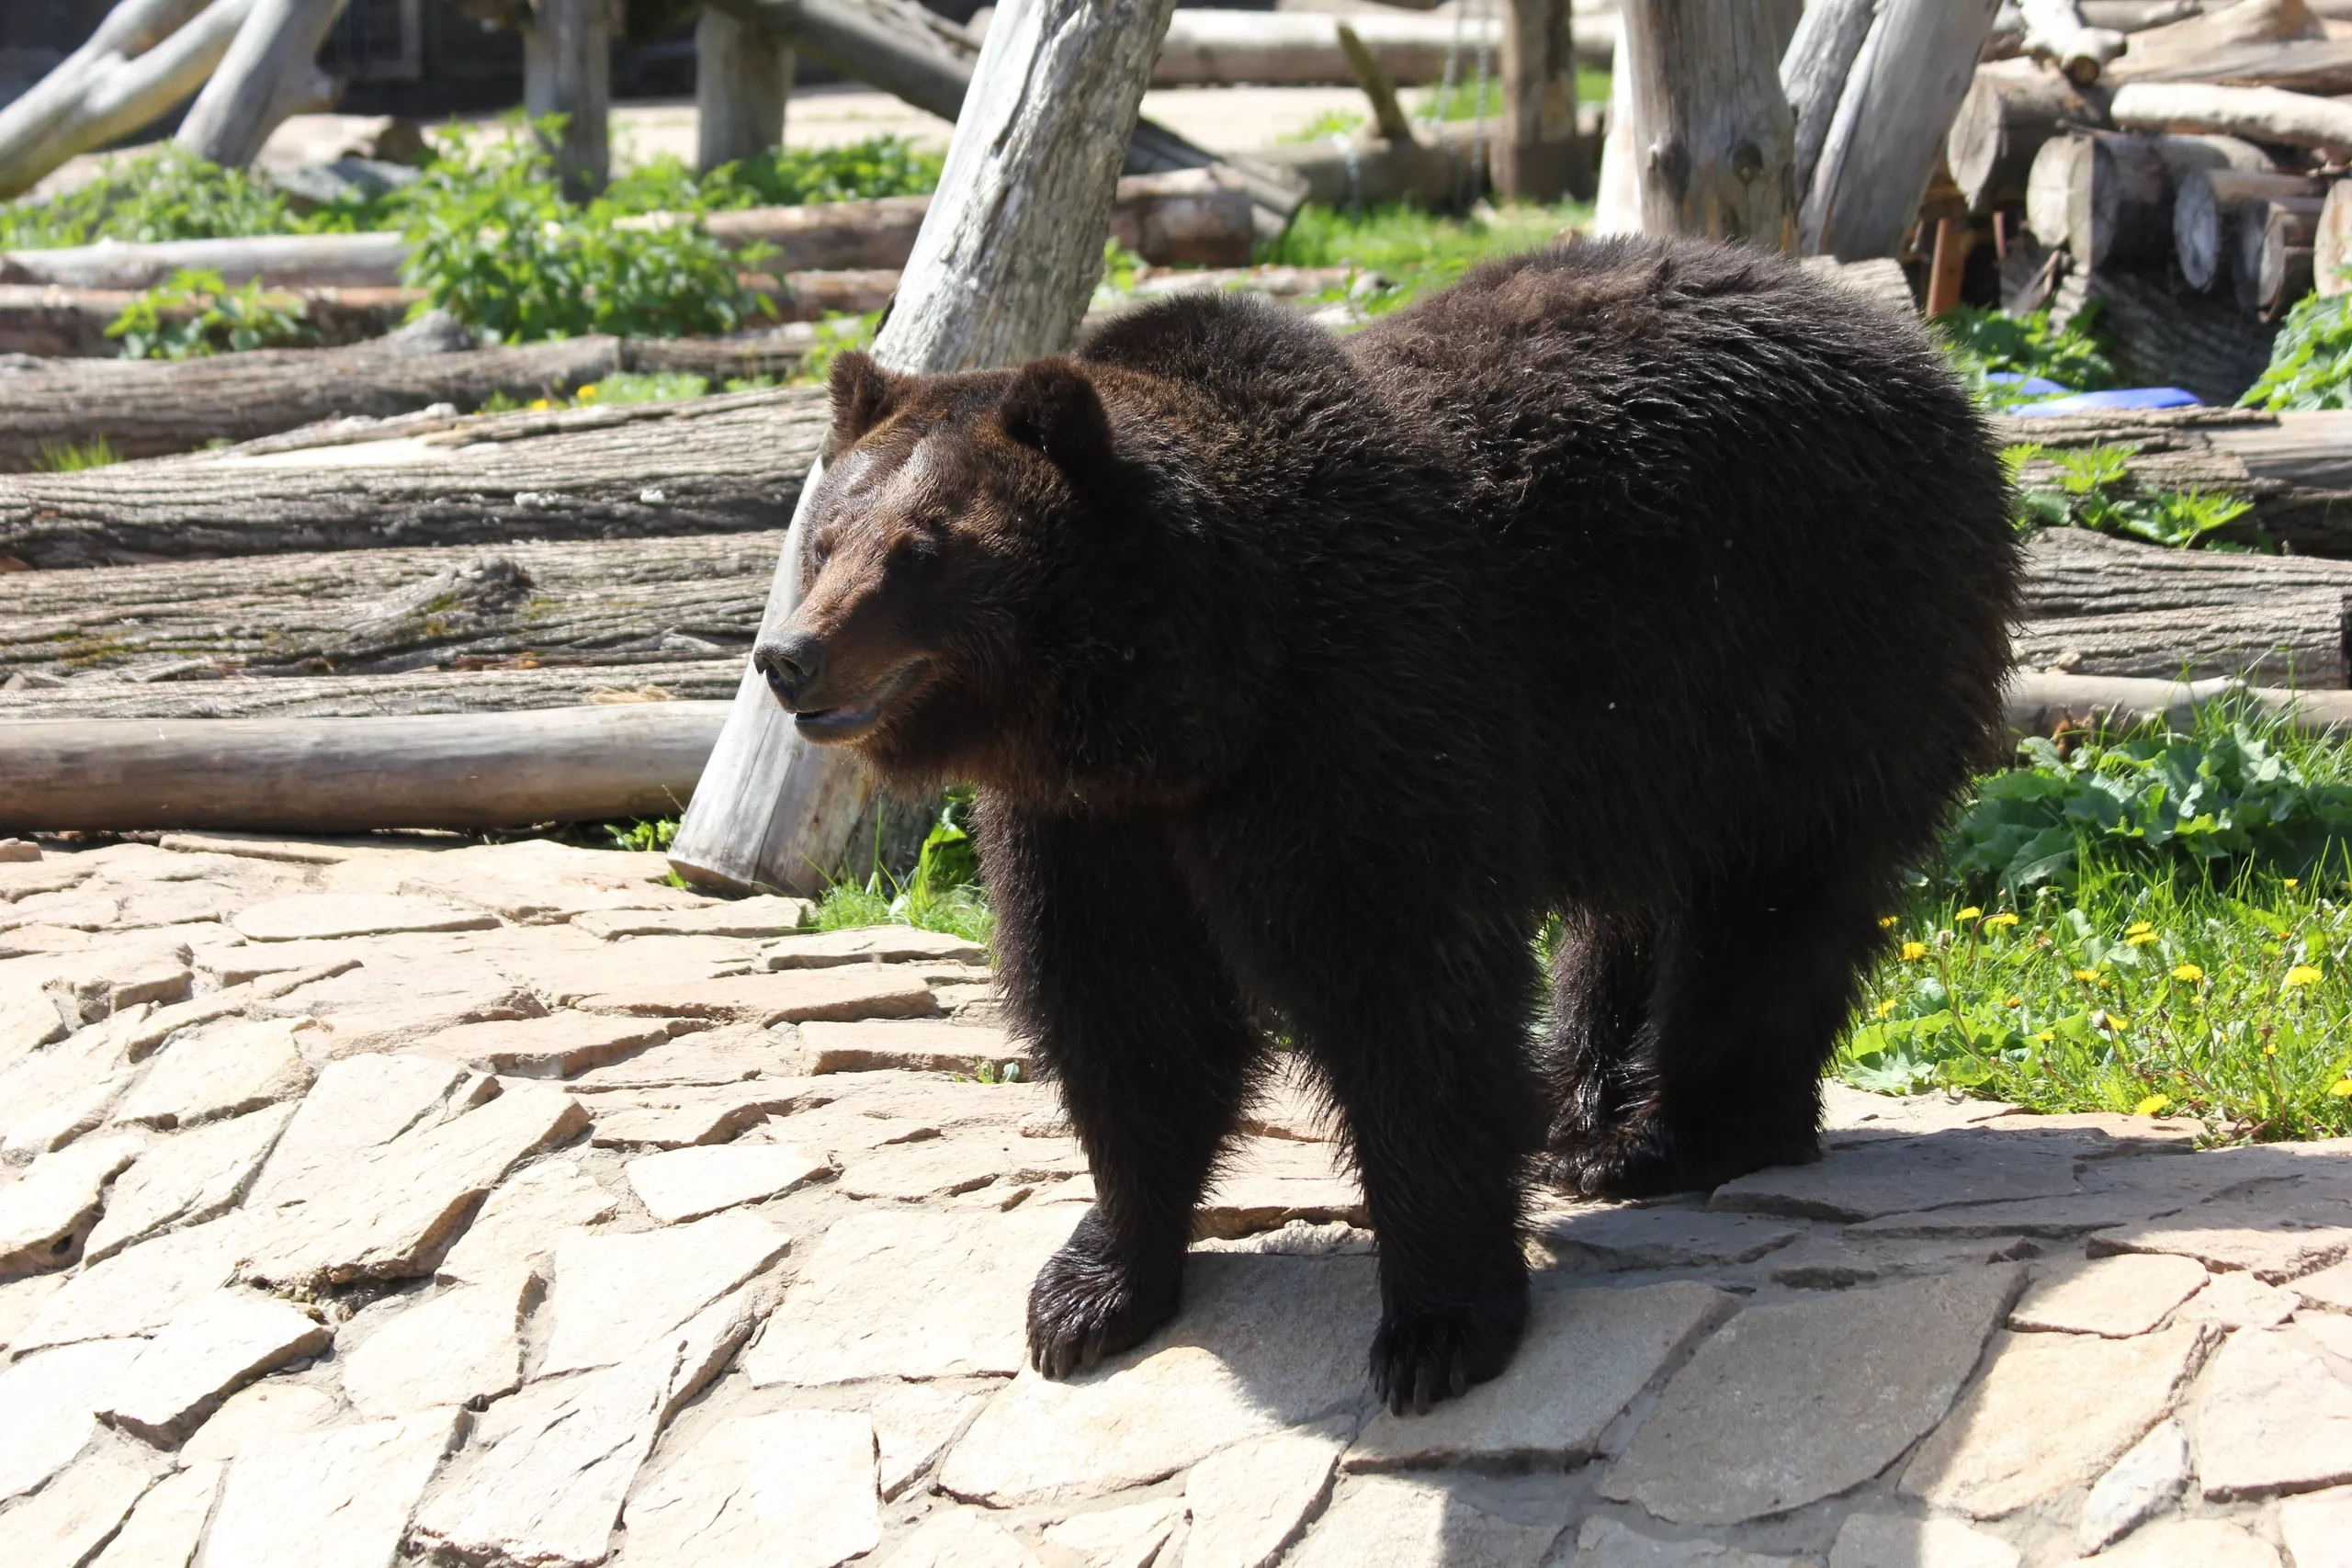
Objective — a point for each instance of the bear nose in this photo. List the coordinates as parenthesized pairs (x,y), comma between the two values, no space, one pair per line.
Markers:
(791,661)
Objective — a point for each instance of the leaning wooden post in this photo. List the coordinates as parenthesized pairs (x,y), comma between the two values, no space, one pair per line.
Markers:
(270,72)
(742,81)
(1002,272)
(1538,156)
(568,70)
(1714,139)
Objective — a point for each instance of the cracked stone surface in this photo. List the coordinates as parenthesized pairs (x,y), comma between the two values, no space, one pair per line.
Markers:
(533,1174)
(45,1214)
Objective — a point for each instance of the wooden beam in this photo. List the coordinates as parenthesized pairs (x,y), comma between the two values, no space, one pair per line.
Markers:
(1713,135)
(270,73)
(568,71)
(1539,156)
(743,83)
(143,70)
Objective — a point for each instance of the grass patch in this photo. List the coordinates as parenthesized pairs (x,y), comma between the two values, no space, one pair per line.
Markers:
(74,457)
(1415,250)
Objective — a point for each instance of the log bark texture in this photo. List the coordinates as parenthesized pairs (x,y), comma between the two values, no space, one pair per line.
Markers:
(2012,109)
(2257,114)
(743,83)
(1715,140)
(2204,217)
(2055,31)
(2271,266)
(1813,73)
(1002,272)
(1211,47)
(332,776)
(714,464)
(2164,334)
(2332,247)
(74,321)
(568,71)
(457,690)
(1539,156)
(112,93)
(270,72)
(2106,197)
(1888,132)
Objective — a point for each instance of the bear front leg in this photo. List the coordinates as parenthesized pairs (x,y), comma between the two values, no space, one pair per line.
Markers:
(1105,964)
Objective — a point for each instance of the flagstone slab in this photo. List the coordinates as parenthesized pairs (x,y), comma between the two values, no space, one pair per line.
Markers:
(1604,1542)
(358,1103)
(2175,1543)
(1269,1182)
(1126,1537)
(612,1295)
(210,1348)
(2146,1481)
(909,1172)
(766,915)
(688,1183)
(2274,1237)
(706,1058)
(912,1295)
(227,1069)
(186,1180)
(870,945)
(340,1497)
(2317,1529)
(52,1399)
(2239,1301)
(140,1289)
(91,988)
(62,1121)
(390,1004)
(2271,1419)
(1251,1501)
(2051,1411)
(1862,1181)
(2331,1287)
(913,1423)
(2117,1297)
(795,996)
(1586,1355)
(392,1212)
(556,1047)
(960,1537)
(791,1489)
(167,1523)
(1387,1522)
(913,1044)
(20,1300)
(1618,1238)
(323,917)
(65,1523)
(462,1346)
(685,1117)
(1877,1541)
(1791,1403)
(1259,1346)
(45,1214)
(525,1217)
(547,1488)
(274,1407)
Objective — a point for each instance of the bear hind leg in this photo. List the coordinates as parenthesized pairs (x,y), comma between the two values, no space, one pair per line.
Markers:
(1597,1060)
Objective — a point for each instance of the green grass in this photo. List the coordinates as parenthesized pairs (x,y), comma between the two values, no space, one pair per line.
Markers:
(1415,250)
(74,457)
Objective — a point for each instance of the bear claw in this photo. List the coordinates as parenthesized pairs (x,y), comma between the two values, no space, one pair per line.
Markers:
(1086,1304)
(1421,1357)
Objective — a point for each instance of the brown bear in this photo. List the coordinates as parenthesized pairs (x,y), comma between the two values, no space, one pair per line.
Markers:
(1659,585)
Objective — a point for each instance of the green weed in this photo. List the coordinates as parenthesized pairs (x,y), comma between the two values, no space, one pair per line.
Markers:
(1326,125)
(2310,359)
(1983,342)
(74,457)
(197,314)
(630,387)
(942,894)
(2094,490)
(1415,250)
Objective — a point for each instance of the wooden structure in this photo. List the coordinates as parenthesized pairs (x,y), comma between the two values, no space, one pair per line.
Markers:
(567,70)
(1714,139)
(1539,154)
(270,73)
(743,83)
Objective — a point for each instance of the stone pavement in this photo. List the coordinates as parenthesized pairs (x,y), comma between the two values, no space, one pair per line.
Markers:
(398,1199)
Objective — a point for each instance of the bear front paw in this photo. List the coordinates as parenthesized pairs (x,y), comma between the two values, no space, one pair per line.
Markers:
(1087,1303)
(1419,1358)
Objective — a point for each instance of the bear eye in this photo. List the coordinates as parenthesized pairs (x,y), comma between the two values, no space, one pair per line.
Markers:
(914,555)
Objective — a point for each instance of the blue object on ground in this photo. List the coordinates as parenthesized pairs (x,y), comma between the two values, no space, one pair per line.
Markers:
(2121,398)
(2031,386)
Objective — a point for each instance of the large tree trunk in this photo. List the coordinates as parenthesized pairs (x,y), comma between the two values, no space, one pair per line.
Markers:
(115,90)
(270,73)
(568,71)
(1539,156)
(1889,129)
(1713,131)
(713,465)
(1002,270)
(742,82)
(2257,114)
(1813,74)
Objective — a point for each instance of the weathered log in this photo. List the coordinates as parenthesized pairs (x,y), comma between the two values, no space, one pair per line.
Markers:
(2254,43)
(109,93)
(726,464)
(742,82)
(344,776)
(370,260)
(2013,108)
(568,71)
(2257,114)
(2103,195)
(505,687)
(2096,605)
(2043,703)
(2274,259)
(1888,133)
(2205,210)
(1617,201)
(1388,119)
(1002,272)
(1540,155)
(1812,75)
(2331,246)
(58,321)
(270,72)
(828,235)
(2055,31)
(1715,132)
(2324,68)
(1444,167)
(2160,333)
(1192,218)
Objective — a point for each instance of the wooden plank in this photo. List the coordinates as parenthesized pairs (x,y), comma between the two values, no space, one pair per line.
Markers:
(351,774)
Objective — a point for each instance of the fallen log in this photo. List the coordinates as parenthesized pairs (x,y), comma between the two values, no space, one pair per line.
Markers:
(2323,67)
(2257,114)
(2161,332)
(345,775)
(522,689)
(370,260)
(74,321)
(2012,108)
(2040,703)
(2055,31)
(2331,246)
(2204,211)
(729,464)
(2271,267)
(2103,195)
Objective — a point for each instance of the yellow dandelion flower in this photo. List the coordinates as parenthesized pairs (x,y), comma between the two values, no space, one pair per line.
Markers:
(2291,883)
(2088,976)
(2155,1105)
(2138,928)
(1884,1007)
(2046,1036)
(2341,1088)
(2004,919)
(2109,1020)
(1914,949)
(2142,940)
(1888,923)
(1968,914)
(2013,1002)
(587,394)
(2188,972)
(2302,974)
(537,405)
(2271,1050)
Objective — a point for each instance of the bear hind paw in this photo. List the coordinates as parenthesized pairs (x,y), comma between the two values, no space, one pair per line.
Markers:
(1419,1358)
(1085,1306)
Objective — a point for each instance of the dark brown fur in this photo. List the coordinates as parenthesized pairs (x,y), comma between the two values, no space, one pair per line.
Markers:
(1661,585)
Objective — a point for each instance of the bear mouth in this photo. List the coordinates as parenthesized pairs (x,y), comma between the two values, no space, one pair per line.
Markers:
(848,721)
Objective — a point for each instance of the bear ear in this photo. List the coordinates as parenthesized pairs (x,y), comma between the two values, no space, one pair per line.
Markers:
(1052,406)
(863,396)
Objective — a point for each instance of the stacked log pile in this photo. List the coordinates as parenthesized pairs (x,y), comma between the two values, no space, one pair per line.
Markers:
(2182,180)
